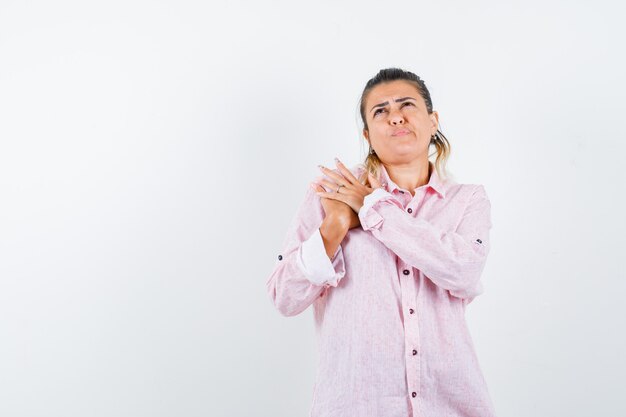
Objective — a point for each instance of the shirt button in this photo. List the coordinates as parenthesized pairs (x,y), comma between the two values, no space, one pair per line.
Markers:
(406,272)
(414,352)
(413,394)
(410,311)
(410,210)
(280,257)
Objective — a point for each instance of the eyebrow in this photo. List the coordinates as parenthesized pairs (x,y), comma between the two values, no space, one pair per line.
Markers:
(397,101)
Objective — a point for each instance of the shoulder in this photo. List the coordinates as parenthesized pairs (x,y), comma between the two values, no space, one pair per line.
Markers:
(466,191)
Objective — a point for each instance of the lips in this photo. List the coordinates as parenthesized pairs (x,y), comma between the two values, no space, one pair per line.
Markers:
(400,132)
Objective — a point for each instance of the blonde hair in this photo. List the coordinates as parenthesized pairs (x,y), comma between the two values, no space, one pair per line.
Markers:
(442,146)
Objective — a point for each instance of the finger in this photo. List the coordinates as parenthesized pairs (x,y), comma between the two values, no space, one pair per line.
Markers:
(339,179)
(332,195)
(346,172)
(316,187)
(373,181)
(330,186)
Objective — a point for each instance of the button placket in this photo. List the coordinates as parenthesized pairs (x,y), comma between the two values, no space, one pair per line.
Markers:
(411,338)
(417,200)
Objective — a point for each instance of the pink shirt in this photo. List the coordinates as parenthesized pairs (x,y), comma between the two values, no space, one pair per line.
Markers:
(389,309)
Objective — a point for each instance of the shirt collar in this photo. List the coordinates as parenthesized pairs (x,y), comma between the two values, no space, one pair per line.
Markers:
(435,182)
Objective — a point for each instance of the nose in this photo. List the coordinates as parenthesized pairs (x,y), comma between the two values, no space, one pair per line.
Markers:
(396,118)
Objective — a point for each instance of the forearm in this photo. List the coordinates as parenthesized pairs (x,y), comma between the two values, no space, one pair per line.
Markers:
(452,258)
(293,285)
(332,233)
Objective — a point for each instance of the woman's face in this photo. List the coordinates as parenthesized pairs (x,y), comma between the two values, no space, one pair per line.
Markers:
(388,119)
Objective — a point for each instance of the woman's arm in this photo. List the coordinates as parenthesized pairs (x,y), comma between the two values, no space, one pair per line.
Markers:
(303,268)
(453,260)
(332,233)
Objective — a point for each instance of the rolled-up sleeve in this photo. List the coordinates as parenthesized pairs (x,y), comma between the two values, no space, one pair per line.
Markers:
(302,269)
(452,259)
(314,263)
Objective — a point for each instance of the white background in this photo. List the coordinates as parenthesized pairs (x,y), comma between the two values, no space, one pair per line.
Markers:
(152,155)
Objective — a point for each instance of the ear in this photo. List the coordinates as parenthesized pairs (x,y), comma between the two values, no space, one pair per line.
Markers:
(366,134)
(434,119)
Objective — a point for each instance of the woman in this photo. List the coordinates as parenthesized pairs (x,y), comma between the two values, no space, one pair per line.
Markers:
(389,254)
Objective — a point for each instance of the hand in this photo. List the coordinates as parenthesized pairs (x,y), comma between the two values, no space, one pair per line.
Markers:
(337,210)
(352,192)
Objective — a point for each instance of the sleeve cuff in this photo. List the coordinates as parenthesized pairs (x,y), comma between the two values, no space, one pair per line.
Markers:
(368,217)
(314,263)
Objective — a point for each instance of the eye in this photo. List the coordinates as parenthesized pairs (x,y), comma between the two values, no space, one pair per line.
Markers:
(403,104)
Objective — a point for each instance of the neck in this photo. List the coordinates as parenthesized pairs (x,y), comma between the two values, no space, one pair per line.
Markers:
(409,176)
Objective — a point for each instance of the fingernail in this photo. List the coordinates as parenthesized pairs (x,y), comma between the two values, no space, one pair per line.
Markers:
(336,160)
